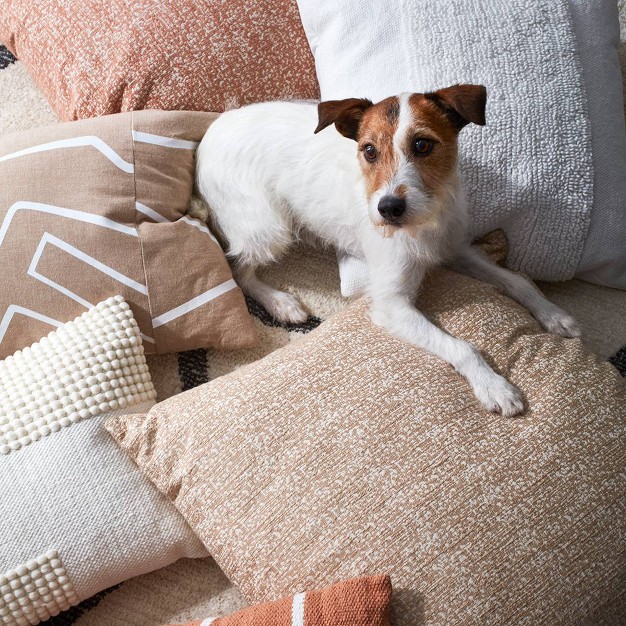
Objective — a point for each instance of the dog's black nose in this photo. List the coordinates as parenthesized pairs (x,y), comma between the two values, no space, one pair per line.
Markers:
(391,207)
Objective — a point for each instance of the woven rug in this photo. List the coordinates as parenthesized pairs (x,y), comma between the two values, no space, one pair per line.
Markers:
(197,588)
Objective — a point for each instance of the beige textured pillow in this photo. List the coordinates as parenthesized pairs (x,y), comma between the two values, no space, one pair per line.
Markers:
(95,58)
(349,452)
(96,208)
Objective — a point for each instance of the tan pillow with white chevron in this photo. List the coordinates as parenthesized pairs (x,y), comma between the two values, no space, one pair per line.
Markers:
(95,208)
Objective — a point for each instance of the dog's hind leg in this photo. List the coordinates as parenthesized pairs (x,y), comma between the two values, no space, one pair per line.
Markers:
(281,305)
(259,233)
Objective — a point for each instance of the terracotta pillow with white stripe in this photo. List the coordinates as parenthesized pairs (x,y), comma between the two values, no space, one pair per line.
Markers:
(96,208)
(360,601)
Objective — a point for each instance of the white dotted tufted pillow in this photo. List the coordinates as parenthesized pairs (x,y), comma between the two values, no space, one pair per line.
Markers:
(76,516)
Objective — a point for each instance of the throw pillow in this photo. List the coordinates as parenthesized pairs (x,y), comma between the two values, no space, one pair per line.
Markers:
(76,516)
(94,58)
(358,602)
(95,208)
(550,165)
(349,452)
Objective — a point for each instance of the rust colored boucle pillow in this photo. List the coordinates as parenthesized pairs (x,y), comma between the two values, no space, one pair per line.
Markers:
(349,452)
(361,601)
(105,56)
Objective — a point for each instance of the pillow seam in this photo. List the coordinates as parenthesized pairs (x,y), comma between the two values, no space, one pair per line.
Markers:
(143,256)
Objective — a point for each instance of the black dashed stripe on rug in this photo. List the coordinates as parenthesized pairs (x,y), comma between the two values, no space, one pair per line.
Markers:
(260,313)
(193,368)
(69,617)
(619,360)
(6,58)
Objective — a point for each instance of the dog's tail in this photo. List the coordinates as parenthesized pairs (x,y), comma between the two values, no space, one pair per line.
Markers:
(230,104)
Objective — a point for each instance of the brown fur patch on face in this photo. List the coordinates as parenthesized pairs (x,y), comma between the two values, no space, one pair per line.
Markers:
(393,110)
(401,191)
(377,128)
(430,122)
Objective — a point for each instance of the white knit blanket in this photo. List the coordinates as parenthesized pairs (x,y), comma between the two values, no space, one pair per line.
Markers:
(529,170)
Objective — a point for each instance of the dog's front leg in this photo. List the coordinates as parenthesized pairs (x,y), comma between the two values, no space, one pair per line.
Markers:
(473,262)
(393,289)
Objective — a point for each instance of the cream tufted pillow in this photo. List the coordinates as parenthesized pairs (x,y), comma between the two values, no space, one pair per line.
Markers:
(76,516)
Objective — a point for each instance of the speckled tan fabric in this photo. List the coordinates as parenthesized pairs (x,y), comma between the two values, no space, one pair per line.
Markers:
(349,452)
(105,56)
(96,208)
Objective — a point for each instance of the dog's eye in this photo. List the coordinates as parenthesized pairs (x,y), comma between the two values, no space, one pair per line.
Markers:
(370,153)
(423,147)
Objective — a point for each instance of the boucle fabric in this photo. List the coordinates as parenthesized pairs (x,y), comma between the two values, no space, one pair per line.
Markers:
(361,601)
(537,130)
(391,465)
(596,26)
(96,58)
(76,516)
(94,208)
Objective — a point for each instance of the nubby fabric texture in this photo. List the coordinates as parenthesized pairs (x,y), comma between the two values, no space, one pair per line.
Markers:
(96,208)
(76,516)
(549,167)
(358,602)
(596,25)
(350,452)
(106,56)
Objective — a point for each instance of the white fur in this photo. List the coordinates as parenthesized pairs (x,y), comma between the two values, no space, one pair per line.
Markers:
(267,177)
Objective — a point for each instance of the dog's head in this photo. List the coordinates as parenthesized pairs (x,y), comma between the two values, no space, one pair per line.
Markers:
(407,148)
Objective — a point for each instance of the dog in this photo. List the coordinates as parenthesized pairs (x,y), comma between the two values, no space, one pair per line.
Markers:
(378,181)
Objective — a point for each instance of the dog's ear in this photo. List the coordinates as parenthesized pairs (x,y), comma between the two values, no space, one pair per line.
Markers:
(345,114)
(461,103)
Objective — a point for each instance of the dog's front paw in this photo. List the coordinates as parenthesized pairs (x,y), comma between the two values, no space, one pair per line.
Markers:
(557,321)
(498,395)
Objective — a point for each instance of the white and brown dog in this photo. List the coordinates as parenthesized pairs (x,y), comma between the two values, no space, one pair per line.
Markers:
(384,187)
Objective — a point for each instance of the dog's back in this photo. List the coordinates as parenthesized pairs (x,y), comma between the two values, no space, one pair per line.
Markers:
(265,174)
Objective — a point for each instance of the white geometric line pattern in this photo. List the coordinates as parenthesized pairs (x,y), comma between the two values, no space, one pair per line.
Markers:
(151,213)
(167,142)
(104,222)
(86,258)
(297,610)
(12,309)
(32,271)
(196,223)
(72,214)
(55,241)
(208,621)
(157,217)
(87,140)
(194,303)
